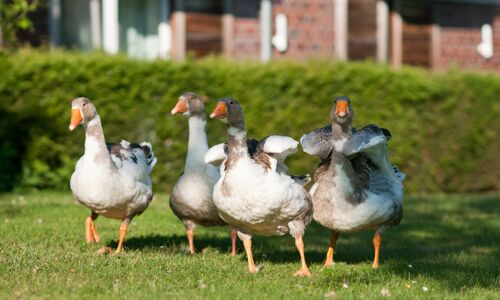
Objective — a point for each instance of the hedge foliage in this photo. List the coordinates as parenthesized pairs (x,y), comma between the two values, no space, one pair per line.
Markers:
(445,126)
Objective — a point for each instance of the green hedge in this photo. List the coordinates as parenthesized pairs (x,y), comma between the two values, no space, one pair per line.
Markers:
(445,126)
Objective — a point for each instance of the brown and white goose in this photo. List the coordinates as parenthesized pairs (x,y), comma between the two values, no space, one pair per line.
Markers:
(191,198)
(112,180)
(254,194)
(356,188)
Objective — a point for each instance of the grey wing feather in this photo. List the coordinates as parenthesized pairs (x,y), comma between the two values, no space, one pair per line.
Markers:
(318,142)
(363,169)
(371,141)
(368,137)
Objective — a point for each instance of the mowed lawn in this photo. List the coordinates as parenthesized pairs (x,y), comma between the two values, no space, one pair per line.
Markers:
(446,247)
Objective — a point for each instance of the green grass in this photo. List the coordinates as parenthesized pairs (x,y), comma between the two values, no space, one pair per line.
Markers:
(448,244)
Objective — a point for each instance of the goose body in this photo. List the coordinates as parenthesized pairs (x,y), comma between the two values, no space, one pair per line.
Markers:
(260,201)
(112,180)
(117,186)
(191,199)
(255,194)
(336,208)
(356,188)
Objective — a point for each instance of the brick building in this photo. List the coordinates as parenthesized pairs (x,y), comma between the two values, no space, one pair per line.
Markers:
(431,33)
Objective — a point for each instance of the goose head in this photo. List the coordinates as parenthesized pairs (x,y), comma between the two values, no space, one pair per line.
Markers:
(82,111)
(342,112)
(229,111)
(189,104)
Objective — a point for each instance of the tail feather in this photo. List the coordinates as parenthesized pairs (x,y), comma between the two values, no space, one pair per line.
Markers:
(151,159)
(400,175)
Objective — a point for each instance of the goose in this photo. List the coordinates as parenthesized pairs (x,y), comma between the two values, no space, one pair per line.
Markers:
(255,195)
(355,187)
(112,180)
(191,197)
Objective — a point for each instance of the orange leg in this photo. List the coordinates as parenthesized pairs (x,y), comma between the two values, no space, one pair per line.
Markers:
(123,232)
(304,270)
(190,236)
(331,249)
(91,235)
(234,236)
(377,241)
(248,250)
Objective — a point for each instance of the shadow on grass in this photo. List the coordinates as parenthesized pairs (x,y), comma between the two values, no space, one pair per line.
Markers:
(455,244)
(176,243)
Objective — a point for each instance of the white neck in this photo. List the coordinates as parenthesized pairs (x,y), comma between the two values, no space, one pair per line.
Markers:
(197,144)
(237,139)
(95,144)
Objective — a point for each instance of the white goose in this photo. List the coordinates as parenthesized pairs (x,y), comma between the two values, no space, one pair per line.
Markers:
(191,198)
(111,180)
(254,193)
(356,188)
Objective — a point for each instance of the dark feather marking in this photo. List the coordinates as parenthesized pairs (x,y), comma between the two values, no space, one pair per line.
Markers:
(117,148)
(147,151)
(261,157)
(323,167)
(361,167)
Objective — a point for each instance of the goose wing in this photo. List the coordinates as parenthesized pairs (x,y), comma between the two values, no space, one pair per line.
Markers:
(272,152)
(318,142)
(367,150)
(216,155)
(135,159)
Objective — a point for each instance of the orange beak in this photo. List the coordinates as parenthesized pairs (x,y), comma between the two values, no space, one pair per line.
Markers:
(180,107)
(76,118)
(341,109)
(220,111)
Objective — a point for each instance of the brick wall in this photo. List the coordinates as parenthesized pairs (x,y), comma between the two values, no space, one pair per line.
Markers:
(246,43)
(310,28)
(362,32)
(460,34)
(245,32)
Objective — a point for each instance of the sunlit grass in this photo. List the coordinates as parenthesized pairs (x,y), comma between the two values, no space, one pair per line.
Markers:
(446,247)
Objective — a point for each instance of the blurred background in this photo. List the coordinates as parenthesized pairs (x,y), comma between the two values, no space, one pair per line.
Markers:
(427,70)
(435,34)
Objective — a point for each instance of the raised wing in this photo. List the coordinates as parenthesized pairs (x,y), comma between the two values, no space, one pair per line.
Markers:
(279,146)
(318,142)
(371,142)
(273,150)
(216,155)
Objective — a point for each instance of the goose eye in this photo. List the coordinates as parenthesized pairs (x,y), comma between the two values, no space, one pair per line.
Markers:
(84,104)
(231,102)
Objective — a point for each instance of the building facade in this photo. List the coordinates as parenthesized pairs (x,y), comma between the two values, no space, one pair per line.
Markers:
(435,34)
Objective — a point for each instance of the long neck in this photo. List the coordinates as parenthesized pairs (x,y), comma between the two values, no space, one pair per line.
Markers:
(197,144)
(237,142)
(95,144)
(341,131)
